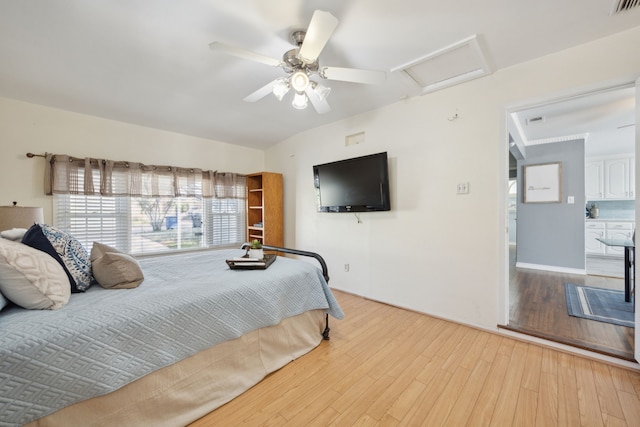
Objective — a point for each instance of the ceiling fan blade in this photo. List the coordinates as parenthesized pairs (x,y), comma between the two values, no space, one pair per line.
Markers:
(353,75)
(244,54)
(261,93)
(321,105)
(320,29)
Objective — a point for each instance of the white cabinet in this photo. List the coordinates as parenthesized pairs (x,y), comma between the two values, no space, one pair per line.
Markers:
(616,178)
(594,180)
(592,232)
(618,231)
(610,178)
(632,178)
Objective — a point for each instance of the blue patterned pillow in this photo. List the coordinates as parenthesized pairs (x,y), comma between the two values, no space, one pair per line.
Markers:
(65,249)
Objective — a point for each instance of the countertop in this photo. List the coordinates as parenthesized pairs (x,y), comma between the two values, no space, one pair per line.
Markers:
(610,220)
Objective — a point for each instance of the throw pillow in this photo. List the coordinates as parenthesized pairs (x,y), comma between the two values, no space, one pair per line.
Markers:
(114,269)
(65,249)
(3,301)
(13,234)
(31,278)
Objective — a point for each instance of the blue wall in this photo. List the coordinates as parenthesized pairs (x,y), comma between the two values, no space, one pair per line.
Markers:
(552,234)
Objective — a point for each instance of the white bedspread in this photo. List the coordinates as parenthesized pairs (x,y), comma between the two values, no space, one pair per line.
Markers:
(106,338)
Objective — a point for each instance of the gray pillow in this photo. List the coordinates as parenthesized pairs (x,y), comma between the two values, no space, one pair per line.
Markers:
(114,269)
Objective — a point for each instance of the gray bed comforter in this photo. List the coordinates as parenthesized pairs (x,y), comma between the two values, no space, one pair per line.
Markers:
(105,338)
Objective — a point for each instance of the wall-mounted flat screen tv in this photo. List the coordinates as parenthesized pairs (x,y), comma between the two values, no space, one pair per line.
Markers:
(360,184)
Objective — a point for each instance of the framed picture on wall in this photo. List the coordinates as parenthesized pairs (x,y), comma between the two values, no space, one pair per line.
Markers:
(543,183)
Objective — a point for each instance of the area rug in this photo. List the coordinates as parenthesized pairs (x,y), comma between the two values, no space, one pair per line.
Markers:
(603,305)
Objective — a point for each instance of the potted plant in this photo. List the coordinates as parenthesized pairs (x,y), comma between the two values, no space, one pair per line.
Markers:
(255,251)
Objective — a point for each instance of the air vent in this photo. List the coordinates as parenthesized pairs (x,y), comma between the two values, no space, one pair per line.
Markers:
(356,138)
(534,120)
(620,6)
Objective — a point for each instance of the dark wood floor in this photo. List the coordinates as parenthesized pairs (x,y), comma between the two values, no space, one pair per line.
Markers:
(538,307)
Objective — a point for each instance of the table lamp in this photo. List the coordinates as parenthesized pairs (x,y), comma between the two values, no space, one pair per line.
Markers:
(19,216)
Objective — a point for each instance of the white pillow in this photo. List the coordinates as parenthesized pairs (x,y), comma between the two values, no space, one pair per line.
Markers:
(13,234)
(32,278)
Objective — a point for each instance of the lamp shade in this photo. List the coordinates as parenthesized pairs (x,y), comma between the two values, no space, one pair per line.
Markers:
(19,217)
(299,81)
(299,101)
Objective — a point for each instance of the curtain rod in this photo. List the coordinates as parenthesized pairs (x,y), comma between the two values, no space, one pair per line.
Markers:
(170,168)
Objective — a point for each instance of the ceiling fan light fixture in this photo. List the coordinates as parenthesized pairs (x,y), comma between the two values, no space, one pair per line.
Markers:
(281,88)
(299,101)
(321,90)
(301,63)
(299,81)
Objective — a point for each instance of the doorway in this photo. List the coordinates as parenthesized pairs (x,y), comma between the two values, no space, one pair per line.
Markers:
(536,296)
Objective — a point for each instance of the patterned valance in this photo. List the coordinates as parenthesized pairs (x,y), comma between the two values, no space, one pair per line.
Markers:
(87,176)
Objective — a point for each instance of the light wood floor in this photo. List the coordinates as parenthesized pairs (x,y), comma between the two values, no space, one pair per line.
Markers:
(538,307)
(386,366)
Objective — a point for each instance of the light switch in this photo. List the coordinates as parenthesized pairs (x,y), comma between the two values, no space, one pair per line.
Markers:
(463,188)
(570,200)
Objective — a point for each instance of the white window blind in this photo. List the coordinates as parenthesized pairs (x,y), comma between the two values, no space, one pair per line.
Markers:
(94,218)
(138,226)
(226,220)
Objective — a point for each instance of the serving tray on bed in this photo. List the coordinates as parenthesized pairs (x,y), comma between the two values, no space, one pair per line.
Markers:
(245,263)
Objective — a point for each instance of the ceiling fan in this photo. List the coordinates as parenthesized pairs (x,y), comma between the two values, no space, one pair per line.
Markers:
(301,66)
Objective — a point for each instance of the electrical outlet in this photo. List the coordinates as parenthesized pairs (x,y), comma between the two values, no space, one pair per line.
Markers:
(463,188)
(346,268)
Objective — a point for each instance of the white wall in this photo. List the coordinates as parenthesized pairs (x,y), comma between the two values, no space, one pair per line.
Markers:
(31,128)
(435,251)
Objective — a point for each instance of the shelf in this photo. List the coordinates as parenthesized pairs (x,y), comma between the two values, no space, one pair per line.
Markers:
(264,206)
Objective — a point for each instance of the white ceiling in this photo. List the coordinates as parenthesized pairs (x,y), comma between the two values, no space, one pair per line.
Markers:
(606,119)
(147,62)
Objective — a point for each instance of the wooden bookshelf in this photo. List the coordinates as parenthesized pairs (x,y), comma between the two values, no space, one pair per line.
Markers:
(265,207)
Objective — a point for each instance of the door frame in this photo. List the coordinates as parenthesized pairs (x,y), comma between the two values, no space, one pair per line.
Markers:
(503,197)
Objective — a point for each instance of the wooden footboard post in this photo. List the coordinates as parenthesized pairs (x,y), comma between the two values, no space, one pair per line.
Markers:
(323,264)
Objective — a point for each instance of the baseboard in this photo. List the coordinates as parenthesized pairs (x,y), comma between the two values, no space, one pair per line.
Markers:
(553,268)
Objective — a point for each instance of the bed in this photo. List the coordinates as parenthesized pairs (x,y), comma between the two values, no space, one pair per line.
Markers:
(191,337)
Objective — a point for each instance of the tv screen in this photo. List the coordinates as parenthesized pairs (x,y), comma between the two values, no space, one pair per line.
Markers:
(360,184)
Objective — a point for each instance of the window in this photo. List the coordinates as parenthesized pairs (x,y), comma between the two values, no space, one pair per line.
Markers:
(147,225)
(145,209)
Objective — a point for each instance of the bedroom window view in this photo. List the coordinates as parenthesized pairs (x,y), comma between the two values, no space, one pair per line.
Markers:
(141,209)
(147,225)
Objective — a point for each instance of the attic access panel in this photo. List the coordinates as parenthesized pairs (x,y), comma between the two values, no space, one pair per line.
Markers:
(448,66)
